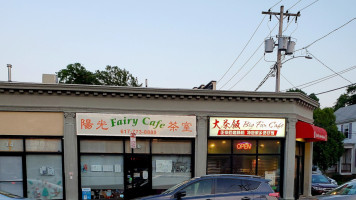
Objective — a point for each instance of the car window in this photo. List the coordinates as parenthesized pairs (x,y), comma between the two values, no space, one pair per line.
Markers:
(228,185)
(318,178)
(199,188)
(248,185)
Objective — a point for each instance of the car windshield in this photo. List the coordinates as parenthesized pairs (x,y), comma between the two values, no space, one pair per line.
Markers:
(174,187)
(345,189)
(318,178)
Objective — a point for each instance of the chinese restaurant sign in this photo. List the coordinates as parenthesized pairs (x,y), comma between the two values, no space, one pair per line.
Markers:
(140,125)
(247,127)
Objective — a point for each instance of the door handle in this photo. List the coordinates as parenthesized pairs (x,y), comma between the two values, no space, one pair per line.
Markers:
(245,198)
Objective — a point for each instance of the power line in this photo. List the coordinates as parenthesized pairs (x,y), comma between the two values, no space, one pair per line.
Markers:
(294,5)
(247,44)
(242,49)
(311,83)
(308,5)
(287,80)
(276,4)
(335,89)
(326,35)
(329,67)
(270,73)
(247,73)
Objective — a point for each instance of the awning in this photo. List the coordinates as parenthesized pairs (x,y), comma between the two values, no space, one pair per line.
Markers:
(310,132)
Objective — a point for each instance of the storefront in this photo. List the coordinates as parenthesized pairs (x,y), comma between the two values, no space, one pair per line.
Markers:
(145,154)
(117,142)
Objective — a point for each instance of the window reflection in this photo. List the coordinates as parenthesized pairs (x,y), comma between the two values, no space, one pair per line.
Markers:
(219,146)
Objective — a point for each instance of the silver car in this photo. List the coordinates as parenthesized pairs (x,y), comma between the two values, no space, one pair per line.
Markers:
(220,187)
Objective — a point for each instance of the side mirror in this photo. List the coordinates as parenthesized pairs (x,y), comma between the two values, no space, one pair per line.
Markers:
(180,194)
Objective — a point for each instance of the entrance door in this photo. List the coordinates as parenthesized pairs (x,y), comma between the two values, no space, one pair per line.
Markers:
(137,176)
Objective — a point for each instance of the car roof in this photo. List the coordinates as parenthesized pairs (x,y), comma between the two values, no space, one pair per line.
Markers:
(236,176)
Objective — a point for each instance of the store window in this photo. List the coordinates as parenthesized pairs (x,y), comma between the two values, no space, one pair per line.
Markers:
(32,167)
(11,178)
(44,176)
(251,157)
(102,169)
(171,162)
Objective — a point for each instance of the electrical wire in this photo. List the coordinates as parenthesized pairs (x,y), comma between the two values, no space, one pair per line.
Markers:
(314,82)
(294,5)
(276,4)
(308,5)
(326,35)
(270,73)
(242,49)
(247,59)
(287,80)
(335,89)
(247,73)
(328,67)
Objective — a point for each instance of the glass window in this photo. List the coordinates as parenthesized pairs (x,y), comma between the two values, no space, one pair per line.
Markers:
(219,165)
(203,187)
(248,185)
(244,165)
(269,146)
(227,185)
(142,146)
(101,146)
(11,180)
(269,168)
(219,146)
(43,145)
(244,146)
(160,146)
(9,144)
(102,172)
(170,170)
(44,176)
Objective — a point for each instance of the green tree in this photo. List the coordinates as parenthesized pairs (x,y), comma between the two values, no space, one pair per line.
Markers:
(347,99)
(326,154)
(312,95)
(116,76)
(77,74)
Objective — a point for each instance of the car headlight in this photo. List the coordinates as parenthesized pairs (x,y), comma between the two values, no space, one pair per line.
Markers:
(317,188)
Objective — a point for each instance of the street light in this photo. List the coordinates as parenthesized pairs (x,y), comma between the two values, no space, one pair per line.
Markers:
(306,57)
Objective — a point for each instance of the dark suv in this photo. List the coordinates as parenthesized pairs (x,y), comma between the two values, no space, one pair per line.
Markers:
(220,187)
(321,184)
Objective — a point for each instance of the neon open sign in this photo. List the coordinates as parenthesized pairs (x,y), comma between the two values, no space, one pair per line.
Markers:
(244,146)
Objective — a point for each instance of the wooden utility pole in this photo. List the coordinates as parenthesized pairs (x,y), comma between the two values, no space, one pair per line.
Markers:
(279,53)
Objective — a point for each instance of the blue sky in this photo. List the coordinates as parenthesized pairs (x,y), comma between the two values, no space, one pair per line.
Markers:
(177,43)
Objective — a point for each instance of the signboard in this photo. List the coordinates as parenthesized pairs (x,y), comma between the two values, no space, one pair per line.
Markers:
(86,193)
(142,125)
(133,140)
(247,127)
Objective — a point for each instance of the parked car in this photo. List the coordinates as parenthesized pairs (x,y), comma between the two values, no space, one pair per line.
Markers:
(220,187)
(347,191)
(321,184)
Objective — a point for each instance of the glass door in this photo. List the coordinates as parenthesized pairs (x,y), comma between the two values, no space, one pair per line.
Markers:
(137,176)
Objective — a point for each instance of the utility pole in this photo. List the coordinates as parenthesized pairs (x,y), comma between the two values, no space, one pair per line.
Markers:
(279,53)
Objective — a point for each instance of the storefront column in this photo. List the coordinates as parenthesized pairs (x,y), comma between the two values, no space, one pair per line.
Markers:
(70,157)
(201,142)
(289,160)
(308,168)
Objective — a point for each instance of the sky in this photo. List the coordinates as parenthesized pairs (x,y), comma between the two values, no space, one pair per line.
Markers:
(181,43)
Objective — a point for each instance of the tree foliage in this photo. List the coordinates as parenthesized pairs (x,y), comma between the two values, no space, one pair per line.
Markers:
(116,76)
(326,154)
(77,74)
(347,99)
(312,95)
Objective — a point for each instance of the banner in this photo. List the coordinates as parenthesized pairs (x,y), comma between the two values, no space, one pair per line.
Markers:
(142,125)
(247,127)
